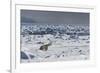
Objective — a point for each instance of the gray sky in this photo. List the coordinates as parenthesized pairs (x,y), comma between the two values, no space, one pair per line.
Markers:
(33,16)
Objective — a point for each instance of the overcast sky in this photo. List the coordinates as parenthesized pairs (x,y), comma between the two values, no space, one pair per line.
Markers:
(33,16)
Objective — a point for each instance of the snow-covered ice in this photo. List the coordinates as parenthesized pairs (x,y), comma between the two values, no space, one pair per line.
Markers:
(62,46)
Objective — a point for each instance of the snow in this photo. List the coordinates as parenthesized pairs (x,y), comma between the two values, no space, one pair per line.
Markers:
(63,47)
